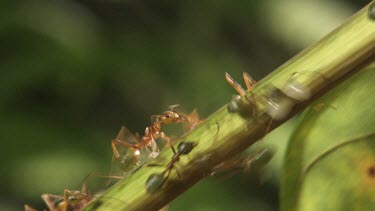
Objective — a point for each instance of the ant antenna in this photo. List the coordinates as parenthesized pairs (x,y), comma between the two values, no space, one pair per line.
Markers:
(171,107)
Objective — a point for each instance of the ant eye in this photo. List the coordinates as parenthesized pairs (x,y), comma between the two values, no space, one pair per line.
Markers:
(168,116)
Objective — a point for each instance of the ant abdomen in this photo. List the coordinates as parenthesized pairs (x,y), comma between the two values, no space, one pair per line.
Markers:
(154,182)
(185,147)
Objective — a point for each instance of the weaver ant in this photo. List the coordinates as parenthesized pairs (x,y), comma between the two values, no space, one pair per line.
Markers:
(155,181)
(154,132)
(71,200)
(237,104)
(140,149)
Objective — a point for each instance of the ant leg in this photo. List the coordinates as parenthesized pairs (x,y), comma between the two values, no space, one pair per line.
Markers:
(168,174)
(109,177)
(116,154)
(84,189)
(265,133)
(66,191)
(166,138)
(174,150)
(320,106)
(103,176)
(178,173)
(121,143)
(235,85)
(249,81)
(47,198)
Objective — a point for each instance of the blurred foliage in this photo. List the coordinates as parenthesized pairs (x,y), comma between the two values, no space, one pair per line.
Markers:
(73,72)
(334,152)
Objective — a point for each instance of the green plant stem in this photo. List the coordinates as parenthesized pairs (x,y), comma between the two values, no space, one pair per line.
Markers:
(223,135)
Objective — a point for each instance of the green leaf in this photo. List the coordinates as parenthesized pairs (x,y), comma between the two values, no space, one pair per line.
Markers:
(330,161)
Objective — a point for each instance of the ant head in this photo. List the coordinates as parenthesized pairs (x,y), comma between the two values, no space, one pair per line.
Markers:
(185,147)
(169,117)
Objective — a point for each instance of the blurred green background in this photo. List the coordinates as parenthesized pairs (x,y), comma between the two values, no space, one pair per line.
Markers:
(73,72)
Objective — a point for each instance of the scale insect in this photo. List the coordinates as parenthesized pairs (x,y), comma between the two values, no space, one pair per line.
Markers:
(156,181)
(278,101)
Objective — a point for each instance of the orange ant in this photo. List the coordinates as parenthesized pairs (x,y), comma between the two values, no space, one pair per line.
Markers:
(71,200)
(155,181)
(153,132)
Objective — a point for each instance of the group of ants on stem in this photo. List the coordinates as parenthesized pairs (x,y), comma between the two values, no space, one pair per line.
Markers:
(132,151)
